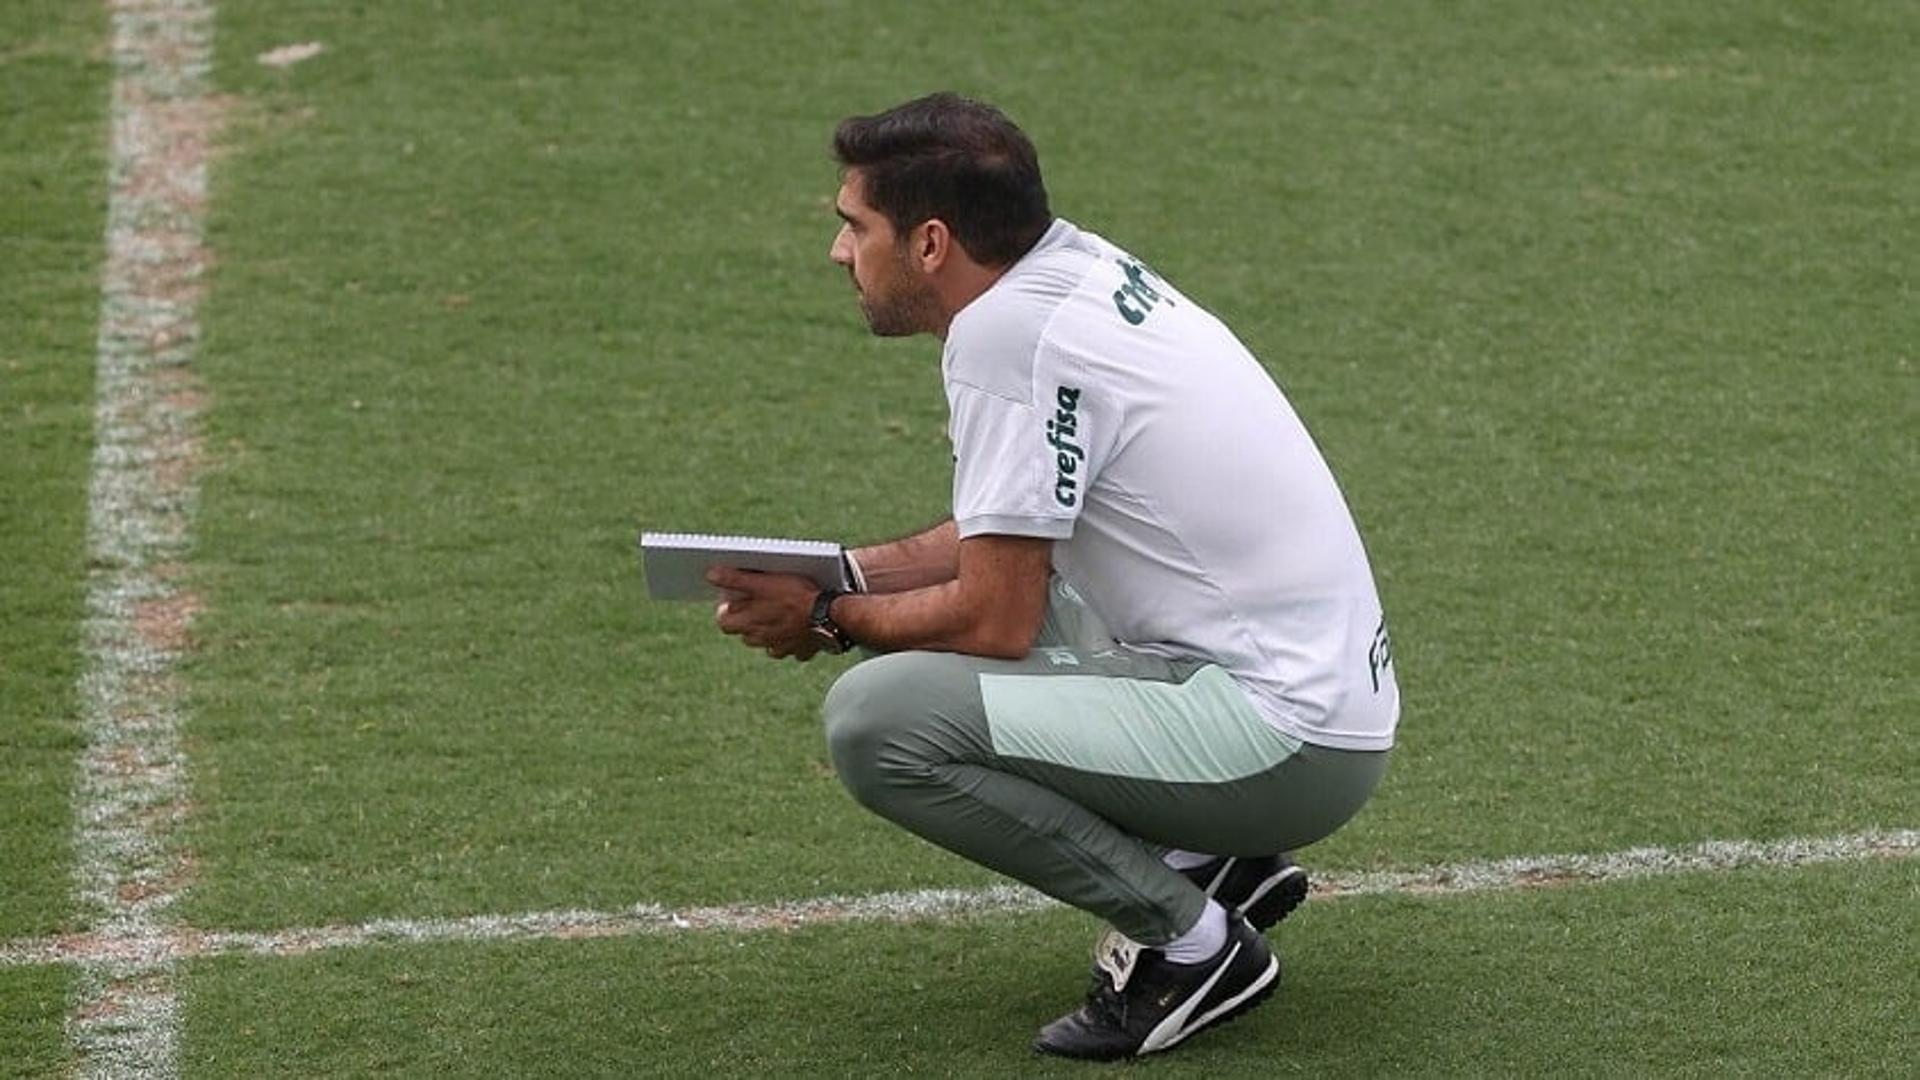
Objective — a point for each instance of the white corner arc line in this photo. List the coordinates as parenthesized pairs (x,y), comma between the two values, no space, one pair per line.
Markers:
(130,792)
(1442,880)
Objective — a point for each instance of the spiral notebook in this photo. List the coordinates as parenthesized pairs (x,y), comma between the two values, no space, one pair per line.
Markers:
(676,564)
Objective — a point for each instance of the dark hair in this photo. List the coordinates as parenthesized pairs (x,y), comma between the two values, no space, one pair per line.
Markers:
(949,157)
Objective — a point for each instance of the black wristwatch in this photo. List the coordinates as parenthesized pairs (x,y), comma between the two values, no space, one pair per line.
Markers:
(835,640)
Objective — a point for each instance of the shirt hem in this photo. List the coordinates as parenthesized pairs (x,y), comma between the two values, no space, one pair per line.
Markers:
(1311,737)
(1014,525)
(1291,727)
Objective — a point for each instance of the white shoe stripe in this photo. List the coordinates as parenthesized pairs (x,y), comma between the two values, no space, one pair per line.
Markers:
(1269,885)
(1220,877)
(1272,973)
(1168,1031)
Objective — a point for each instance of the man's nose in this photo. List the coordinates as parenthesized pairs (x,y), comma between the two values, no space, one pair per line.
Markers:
(842,251)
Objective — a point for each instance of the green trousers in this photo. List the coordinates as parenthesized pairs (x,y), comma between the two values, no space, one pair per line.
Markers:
(1074,768)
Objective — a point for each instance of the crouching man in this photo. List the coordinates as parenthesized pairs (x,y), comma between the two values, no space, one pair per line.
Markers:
(1145,658)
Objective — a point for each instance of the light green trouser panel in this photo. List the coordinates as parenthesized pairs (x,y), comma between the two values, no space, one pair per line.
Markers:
(1071,768)
(1201,731)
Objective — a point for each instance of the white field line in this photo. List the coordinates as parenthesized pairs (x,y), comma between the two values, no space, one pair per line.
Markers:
(1450,879)
(131,790)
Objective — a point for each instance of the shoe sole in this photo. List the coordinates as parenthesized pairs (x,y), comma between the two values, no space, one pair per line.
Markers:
(1261,989)
(1276,898)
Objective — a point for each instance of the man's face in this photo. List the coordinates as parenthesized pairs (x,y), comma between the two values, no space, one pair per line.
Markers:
(895,297)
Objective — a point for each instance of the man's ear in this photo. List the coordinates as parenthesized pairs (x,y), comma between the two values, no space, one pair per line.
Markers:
(931,245)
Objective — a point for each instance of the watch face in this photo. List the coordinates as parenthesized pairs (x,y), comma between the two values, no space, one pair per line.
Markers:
(829,640)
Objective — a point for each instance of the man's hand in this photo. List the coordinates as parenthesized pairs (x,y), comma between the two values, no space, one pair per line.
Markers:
(767,611)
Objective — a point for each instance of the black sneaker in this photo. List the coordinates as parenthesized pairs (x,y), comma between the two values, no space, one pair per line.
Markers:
(1263,889)
(1143,1002)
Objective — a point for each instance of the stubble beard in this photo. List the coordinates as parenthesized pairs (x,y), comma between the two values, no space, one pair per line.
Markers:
(898,305)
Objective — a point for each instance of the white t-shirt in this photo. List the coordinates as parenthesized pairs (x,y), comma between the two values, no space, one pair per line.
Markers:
(1093,404)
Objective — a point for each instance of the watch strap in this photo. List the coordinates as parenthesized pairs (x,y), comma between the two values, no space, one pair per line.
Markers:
(820,620)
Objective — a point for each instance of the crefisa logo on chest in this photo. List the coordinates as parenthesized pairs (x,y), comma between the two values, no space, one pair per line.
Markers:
(1062,428)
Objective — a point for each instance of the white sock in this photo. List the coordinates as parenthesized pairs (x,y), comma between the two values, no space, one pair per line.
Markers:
(1186,860)
(1201,942)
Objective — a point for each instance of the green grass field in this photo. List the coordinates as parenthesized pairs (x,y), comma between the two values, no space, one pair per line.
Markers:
(53,176)
(1770,973)
(1605,315)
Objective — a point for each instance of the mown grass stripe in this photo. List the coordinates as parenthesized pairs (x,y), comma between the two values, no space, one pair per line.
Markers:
(131,790)
(1446,879)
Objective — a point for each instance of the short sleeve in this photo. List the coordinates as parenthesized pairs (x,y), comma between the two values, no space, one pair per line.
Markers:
(1024,468)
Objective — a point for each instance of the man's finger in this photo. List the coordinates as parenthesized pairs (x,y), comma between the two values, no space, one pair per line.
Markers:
(732,579)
